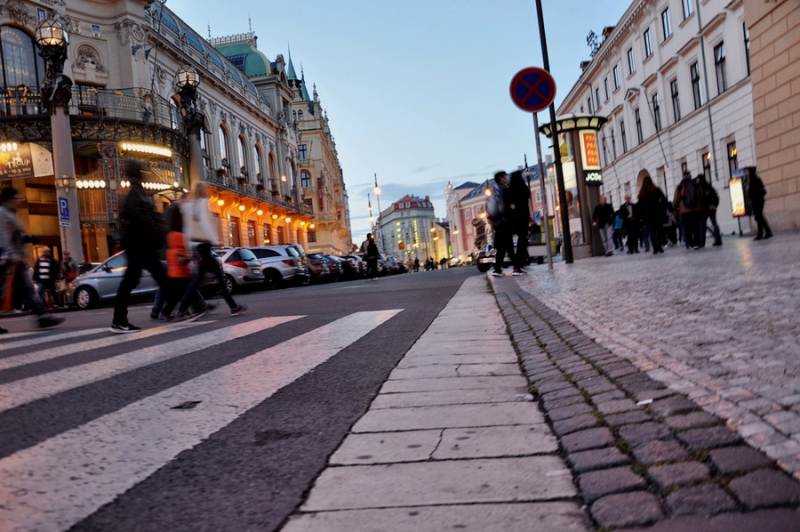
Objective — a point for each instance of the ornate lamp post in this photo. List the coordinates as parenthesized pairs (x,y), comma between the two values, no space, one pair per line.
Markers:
(186,83)
(53,41)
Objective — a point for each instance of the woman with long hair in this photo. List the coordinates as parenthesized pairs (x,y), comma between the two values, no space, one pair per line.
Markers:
(652,208)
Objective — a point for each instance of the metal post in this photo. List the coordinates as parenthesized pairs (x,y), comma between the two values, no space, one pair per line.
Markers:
(545,214)
(566,244)
(708,94)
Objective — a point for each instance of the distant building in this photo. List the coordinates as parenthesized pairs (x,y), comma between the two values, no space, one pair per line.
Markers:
(677,97)
(458,236)
(405,228)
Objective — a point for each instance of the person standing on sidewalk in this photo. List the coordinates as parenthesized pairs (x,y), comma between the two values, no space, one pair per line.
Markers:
(202,236)
(142,238)
(12,257)
(495,210)
(688,201)
(652,206)
(757,193)
(710,204)
(603,218)
(371,254)
(45,275)
(630,225)
(518,204)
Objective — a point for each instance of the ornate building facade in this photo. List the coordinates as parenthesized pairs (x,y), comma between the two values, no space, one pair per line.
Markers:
(123,105)
(672,78)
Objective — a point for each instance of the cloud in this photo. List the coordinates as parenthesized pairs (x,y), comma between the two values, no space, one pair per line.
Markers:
(420,169)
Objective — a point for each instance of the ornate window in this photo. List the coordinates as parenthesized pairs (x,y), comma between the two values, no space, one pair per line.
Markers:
(21,65)
(224,154)
(305,179)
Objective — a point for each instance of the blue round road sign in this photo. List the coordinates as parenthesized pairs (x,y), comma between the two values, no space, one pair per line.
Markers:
(533,89)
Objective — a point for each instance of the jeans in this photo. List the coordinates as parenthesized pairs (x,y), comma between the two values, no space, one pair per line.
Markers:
(692,228)
(48,285)
(503,244)
(607,237)
(710,215)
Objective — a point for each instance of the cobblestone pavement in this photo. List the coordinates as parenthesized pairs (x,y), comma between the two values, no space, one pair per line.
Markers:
(719,325)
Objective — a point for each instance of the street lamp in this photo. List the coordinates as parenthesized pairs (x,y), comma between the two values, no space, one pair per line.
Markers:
(186,83)
(53,40)
(377,191)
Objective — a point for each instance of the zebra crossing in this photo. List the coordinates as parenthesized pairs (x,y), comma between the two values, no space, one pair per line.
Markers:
(56,483)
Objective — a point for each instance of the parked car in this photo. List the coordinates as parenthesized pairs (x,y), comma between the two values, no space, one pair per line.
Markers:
(303,262)
(240,268)
(280,264)
(318,267)
(100,283)
(361,265)
(336,266)
(350,268)
(394,266)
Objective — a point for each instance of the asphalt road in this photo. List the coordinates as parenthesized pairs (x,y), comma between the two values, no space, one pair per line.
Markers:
(65,399)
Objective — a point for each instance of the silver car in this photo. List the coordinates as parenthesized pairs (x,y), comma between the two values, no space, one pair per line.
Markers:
(281,264)
(100,283)
(240,268)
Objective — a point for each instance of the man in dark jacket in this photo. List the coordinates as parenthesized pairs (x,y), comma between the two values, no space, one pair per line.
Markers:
(688,201)
(498,217)
(603,219)
(710,204)
(45,275)
(630,224)
(757,193)
(142,238)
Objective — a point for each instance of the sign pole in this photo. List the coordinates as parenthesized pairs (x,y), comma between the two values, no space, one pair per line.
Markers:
(566,237)
(543,193)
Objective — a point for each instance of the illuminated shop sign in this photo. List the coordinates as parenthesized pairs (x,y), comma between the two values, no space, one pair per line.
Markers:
(590,154)
(594,177)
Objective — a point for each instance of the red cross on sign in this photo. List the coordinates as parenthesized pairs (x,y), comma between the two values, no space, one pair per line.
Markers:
(533,89)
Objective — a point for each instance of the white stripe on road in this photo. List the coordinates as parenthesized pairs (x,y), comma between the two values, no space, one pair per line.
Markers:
(53,485)
(8,346)
(71,349)
(23,391)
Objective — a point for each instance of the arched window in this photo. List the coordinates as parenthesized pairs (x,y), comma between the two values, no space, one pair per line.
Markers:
(272,166)
(243,157)
(257,159)
(299,115)
(224,154)
(305,178)
(206,149)
(21,71)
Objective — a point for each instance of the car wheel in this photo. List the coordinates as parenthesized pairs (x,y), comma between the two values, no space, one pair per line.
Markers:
(85,298)
(272,279)
(229,284)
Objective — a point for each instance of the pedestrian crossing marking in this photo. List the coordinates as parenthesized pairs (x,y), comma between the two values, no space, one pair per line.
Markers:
(70,349)
(57,483)
(8,346)
(24,391)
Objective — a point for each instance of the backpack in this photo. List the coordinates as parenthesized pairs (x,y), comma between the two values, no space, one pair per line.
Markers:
(689,194)
(711,196)
(494,206)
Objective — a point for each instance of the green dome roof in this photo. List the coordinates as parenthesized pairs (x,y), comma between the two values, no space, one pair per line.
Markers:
(246,58)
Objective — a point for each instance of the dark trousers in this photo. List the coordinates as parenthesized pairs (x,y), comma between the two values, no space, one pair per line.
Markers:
(692,228)
(175,291)
(48,285)
(138,260)
(372,267)
(207,264)
(520,257)
(761,222)
(503,244)
(632,231)
(23,288)
(710,216)
(653,233)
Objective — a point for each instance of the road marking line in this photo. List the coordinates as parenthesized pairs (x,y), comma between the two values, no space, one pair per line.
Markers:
(23,391)
(59,482)
(71,349)
(8,346)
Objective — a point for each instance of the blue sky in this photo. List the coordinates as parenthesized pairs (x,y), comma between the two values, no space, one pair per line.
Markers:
(417,91)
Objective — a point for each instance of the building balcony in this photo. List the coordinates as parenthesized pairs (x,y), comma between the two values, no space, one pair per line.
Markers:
(240,186)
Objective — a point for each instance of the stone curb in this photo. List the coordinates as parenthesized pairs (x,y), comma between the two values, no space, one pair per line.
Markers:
(640,454)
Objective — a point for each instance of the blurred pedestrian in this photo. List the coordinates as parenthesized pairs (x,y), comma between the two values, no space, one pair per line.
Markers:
(603,219)
(142,229)
(652,206)
(757,192)
(617,233)
(517,199)
(179,272)
(688,202)
(709,212)
(12,258)
(174,223)
(372,254)
(630,225)
(69,267)
(202,236)
(498,218)
(45,274)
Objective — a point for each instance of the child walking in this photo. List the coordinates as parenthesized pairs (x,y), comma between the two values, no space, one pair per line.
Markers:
(179,274)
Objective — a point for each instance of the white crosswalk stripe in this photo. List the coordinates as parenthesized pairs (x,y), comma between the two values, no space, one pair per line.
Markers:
(43,339)
(23,391)
(69,349)
(62,480)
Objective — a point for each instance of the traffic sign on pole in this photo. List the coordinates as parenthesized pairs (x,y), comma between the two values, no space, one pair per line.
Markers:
(533,89)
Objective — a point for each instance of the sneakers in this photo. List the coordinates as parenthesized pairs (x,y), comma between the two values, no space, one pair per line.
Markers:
(497,274)
(49,321)
(517,273)
(155,316)
(164,317)
(124,328)
(240,309)
(190,316)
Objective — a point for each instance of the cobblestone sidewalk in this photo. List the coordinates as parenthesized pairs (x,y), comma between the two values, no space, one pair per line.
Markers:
(719,324)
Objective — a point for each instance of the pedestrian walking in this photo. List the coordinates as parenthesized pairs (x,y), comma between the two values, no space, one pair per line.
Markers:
(603,220)
(372,254)
(617,233)
(416,264)
(517,198)
(174,223)
(45,274)
(69,267)
(630,225)
(202,236)
(13,267)
(757,192)
(652,207)
(709,213)
(364,244)
(688,202)
(495,210)
(143,236)
(179,272)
